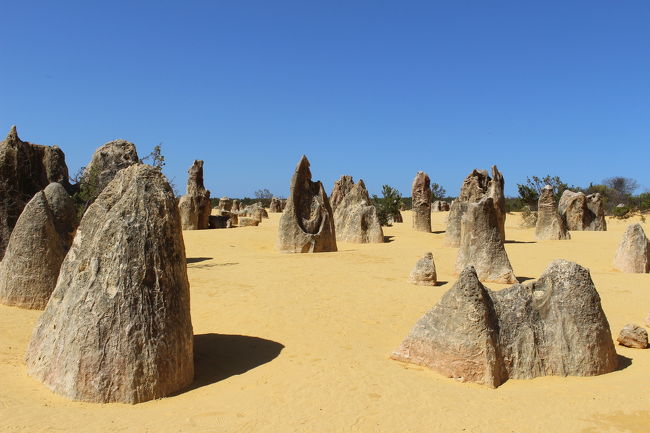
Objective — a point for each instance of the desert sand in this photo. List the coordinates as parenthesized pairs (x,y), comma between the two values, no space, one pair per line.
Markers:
(301,343)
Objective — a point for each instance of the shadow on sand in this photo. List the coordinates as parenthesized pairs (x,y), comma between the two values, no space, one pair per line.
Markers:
(219,356)
(521,279)
(623,362)
(519,242)
(439,232)
(197,259)
(388,239)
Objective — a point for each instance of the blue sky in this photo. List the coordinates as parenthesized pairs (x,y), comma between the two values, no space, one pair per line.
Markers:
(374,89)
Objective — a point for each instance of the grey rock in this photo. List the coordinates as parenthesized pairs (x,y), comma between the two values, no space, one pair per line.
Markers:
(421,198)
(550,225)
(554,326)
(255,210)
(25,169)
(109,159)
(440,206)
(581,212)
(341,187)
(633,253)
(481,245)
(355,218)
(276,205)
(117,327)
(38,244)
(424,273)
(596,213)
(195,206)
(219,222)
(307,223)
(633,336)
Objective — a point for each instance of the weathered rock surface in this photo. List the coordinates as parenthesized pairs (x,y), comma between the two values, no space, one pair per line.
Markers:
(633,254)
(582,212)
(554,326)
(341,187)
(549,226)
(355,218)
(476,186)
(633,336)
(235,205)
(36,249)
(25,169)
(307,223)
(424,273)
(108,159)
(481,245)
(247,221)
(219,222)
(117,327)
(225,204)
(195,206)
(255,210)
(276,205)
(421,198)
(439,206)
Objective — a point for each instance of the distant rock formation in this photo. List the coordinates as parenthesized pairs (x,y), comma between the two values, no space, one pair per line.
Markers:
(109,159)
(276,205)
(549,226)
(255,210)
(554,326)
(633,254)
(235,205)
(355,218)
(421,198)
(307,223)
(219,222)
(341,188)
(476,186)
(424,273)
(225,204)
(37,246)
(195,208)
(439,206)
(481,245)
(25,169)
(633,336)
(117,327)
(582,212)
(248,221)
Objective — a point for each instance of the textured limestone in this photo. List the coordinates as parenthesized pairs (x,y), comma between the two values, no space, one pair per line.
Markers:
(439,206)
(255,210)
(633,336)
(307,223)
(341,187)
(225,204)
(219,222)
(25,169)
(633,254)
(276,205)
(481,245)
(235,206)
(195,206)
(554,326)
(549,226)
(355,218)
(424,273)
(36,249)
(117,327)
(247,221)
(421,198)
(109,159)
(581,212)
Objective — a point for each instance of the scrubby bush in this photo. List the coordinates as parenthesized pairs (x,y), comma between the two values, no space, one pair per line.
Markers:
(388,205)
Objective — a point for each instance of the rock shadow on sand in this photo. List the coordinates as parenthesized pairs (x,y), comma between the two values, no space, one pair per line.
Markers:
(197,259)
(220,356)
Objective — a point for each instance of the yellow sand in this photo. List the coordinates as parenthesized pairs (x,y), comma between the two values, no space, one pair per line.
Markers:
(300,343)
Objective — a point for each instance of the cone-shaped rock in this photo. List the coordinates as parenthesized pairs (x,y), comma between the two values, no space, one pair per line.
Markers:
(424,273)
(36,249)
(117,327)
(307,223)
(481,245)
(25,169)
(549,226)
(341,188)
(633,254)
(108,159)
(476,186)
(276,205)
(195,205)
(421,197)
(355,218)
(554,326)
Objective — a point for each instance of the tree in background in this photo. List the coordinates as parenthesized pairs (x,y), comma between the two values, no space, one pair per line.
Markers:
(388,205)
(156,157)
(263,194)
(437,192)
(530,191)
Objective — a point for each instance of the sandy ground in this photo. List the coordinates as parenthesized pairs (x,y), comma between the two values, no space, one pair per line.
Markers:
(300,343)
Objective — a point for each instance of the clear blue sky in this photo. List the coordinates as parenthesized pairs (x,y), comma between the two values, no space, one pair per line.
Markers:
(374,89)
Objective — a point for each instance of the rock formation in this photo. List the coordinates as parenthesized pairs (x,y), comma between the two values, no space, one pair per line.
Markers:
(225,204)
(247,221)
(421,197)
(235,205)
(107,160)
(424,273)
(477,186)
(36,249)
(633,336)
(554,326)
(481,245)
(117,327)
(276,205)
(307,223)
(633,254)
(439,206)
(341,188)
(255,210)
(549,226)
(25,169)
(581,212)
(195,206)
(219,222)
(355,218)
